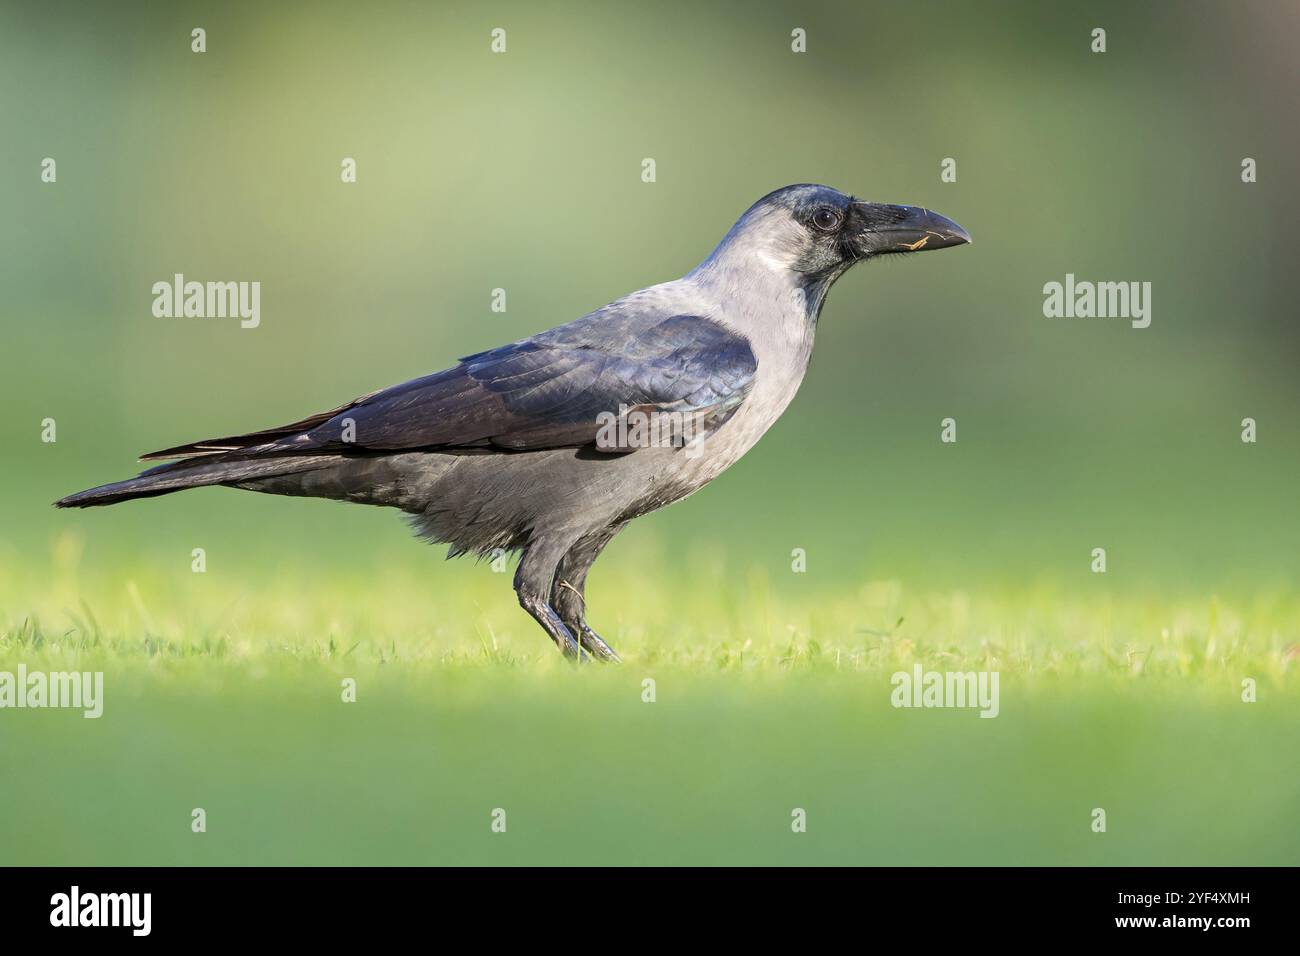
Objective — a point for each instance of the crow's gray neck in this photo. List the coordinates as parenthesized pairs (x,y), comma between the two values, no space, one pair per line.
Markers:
(762,298)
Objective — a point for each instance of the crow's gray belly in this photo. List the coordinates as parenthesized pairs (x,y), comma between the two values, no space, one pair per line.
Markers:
(478,502)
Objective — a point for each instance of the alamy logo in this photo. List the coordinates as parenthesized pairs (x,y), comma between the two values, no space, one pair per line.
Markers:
(632,427)
(946,689)
(208,300)
(1102,300)
(82,690)
(103,909)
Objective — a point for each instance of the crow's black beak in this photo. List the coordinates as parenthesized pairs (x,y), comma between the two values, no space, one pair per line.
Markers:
(881,228)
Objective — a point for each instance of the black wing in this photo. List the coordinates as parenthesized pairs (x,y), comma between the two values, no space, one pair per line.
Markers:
(550,391)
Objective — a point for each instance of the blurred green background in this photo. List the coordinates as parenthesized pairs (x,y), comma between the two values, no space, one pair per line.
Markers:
(522,171)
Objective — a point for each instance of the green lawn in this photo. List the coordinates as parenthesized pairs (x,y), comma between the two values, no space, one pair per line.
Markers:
(223,691)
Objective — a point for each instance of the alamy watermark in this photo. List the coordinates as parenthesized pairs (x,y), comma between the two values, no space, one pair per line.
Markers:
(923,688)
(75,908)
(208,300)
(1074,299)
(632,427)
(78,690)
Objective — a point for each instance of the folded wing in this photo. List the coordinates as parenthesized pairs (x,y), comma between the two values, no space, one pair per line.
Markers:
(551,391)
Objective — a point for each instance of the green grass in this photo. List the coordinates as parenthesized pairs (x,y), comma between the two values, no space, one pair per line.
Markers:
(222,691)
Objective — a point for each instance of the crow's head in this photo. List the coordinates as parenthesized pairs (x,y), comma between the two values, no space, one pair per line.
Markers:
(820,232)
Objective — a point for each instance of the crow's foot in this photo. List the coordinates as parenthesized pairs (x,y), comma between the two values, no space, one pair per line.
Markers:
(596,646)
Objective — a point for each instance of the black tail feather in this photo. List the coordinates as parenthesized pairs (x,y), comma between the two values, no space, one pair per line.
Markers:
(190,473)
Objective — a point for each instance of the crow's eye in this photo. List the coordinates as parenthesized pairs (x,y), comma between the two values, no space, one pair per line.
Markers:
(826,219)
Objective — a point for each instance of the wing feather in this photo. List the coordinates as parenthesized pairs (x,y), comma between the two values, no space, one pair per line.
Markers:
(544,392)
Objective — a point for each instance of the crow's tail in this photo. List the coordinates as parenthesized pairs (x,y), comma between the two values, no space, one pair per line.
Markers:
(193,473)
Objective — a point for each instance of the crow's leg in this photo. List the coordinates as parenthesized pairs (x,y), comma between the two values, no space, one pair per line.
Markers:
(533,584)
(568,595)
